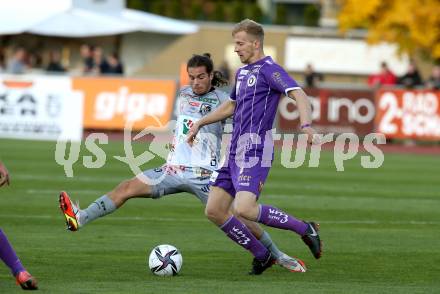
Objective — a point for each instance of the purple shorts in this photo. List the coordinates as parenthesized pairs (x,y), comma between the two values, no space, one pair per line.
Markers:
(234,179)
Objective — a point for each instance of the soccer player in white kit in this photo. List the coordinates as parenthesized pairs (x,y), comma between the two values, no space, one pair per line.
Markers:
(187,169)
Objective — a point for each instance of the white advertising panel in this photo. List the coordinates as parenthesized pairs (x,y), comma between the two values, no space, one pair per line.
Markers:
(40,107)
(341,56)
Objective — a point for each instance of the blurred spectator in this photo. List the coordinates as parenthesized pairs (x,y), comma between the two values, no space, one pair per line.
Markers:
(434,80)
(100,63)
(54,64)
(312,78)
(2,59)
(412,77)
(86,52)
(385,77)
(17,64)
(225,70)
(114,65)
(34,59)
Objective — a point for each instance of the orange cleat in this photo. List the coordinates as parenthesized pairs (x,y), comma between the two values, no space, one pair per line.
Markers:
(70,211)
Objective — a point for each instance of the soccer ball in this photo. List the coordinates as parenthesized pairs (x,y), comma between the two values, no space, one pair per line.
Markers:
(165,260)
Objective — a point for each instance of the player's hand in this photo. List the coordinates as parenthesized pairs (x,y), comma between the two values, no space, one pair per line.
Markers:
(4,175)
(192,133)
(312,137)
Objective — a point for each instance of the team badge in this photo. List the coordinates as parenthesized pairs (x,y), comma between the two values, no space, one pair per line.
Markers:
(205,108)
(251,81)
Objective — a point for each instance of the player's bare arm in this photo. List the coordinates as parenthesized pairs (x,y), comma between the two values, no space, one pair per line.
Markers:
(225,110)
(4,175)
(305,109)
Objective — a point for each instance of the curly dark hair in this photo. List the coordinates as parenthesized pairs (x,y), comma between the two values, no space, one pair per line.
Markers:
(206,61)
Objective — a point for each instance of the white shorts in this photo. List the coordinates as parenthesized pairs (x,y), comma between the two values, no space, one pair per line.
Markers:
(177,179)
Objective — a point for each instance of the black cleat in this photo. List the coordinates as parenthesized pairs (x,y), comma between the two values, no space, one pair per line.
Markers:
(258,266)
(311,238)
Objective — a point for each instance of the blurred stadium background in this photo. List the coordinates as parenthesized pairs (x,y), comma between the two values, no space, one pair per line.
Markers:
(72,67)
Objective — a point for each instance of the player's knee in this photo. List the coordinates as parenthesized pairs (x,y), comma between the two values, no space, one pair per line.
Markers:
(214,215)
(242,211)
(210,213)
(130,188)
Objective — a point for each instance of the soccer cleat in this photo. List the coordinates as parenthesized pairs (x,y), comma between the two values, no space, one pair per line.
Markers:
(292,264)
(26,281)
(70,211)
(258,266)
(311,238)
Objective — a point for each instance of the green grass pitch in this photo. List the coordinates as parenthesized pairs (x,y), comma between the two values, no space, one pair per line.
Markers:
(380,227)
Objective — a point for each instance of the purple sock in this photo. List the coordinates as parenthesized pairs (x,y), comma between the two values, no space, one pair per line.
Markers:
(241,235)
(7,254)
(273,217)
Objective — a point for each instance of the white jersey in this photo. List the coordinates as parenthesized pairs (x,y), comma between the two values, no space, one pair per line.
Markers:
(205,152)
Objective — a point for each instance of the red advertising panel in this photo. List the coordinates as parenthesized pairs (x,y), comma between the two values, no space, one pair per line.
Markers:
(408,114)
(334,111)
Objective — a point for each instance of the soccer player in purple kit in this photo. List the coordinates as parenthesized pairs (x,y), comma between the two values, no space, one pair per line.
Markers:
(253,103)
(7,253)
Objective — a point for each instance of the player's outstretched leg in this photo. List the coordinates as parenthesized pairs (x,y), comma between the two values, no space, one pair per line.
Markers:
(274,217)
(102,206)
(10,258)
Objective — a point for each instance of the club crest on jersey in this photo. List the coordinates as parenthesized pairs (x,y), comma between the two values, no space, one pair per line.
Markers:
(187,124)
(205,108)
(251,81)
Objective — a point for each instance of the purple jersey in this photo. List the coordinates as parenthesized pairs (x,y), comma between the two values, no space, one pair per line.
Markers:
(258,88)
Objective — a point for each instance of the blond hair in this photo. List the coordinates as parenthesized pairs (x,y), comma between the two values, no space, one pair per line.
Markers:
(250,27)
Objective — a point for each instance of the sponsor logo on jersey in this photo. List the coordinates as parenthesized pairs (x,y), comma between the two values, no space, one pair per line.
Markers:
(276,76)
(208,100)
(205,108)
(187,124)
(244,180)
(192,103)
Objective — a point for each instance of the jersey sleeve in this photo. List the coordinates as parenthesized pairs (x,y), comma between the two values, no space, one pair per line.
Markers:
(222,96)
(180,101)
(233,94)
(279,79)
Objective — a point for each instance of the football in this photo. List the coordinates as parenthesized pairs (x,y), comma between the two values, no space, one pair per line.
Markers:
(165,260)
